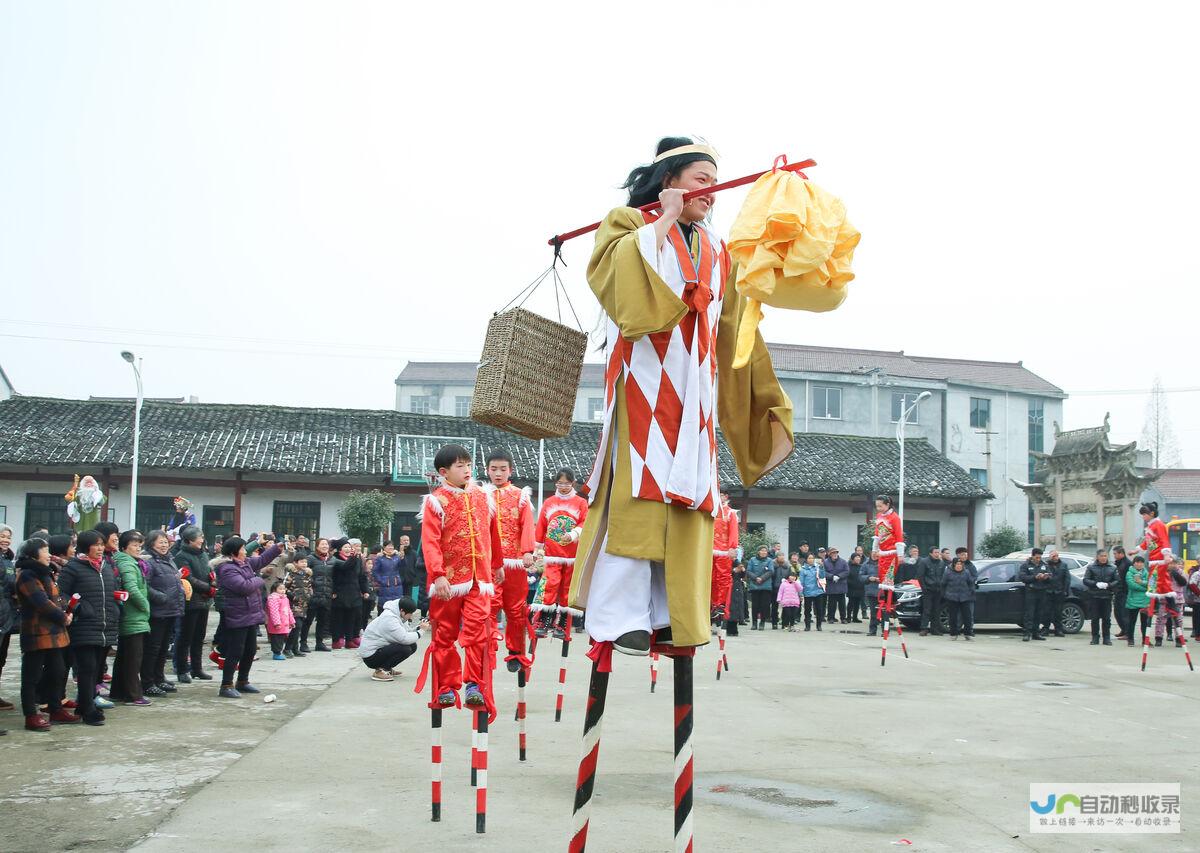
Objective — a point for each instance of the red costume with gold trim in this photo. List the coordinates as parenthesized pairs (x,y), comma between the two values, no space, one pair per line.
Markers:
(559,516)
(1157,545)
(725,544)
(888,534)
(460,538)
(514,509)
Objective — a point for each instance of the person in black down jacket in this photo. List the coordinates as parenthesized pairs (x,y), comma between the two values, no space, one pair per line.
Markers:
(165,592)
(321,563)
(189,648)
(1099,583)
(96,618)
(1056,595)
(349,592)
(957,588)
(1036,577)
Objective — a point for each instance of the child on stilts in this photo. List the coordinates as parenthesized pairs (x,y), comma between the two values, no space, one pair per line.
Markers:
(460,536)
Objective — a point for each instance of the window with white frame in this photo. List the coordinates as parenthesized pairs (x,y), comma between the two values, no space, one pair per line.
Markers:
(422,404)
(827,403)
(595,408)
(462,407)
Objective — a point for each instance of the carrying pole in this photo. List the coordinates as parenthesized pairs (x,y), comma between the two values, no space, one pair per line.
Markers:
(558,239)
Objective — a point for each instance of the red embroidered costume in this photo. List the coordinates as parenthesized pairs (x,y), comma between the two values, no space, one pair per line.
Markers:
(514,510)
(560,515)
(460,538)
(725,545)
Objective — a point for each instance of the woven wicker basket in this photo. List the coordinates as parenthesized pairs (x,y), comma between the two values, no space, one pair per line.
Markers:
(528,375)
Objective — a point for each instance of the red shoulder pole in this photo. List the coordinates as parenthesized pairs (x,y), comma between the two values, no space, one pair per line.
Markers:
(559,239)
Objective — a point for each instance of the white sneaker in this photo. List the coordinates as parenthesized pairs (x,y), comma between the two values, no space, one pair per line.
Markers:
(381,675)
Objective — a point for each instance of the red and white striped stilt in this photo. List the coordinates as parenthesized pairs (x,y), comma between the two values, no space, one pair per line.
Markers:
(1146,636)
(653,670)
(474,756)
(683,754)
(521,714)
(899,625)
(436,764)
(585,782)
(481,731)
(882,612)
(721,644)
(562,670)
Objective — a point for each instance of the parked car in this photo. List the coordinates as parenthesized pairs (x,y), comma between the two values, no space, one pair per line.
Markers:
(1072,558)
(1000,597)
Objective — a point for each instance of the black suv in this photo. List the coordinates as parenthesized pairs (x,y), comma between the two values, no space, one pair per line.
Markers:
(1000,597)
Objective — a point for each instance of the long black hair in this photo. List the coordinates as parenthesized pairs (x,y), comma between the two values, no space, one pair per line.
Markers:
(886,500)
(1149,508)
(646,182)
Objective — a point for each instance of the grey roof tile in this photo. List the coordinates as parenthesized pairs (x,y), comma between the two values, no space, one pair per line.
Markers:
(361,443)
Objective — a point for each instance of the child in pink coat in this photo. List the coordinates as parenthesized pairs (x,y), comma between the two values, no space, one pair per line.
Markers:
(280,620)
(789,601)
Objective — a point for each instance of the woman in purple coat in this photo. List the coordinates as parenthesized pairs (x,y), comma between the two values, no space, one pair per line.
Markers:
(242,612)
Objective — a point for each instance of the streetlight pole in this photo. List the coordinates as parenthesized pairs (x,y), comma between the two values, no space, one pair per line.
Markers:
(924,395)
(137,430)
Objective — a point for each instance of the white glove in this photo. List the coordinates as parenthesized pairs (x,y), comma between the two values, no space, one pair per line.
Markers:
(575,533)
(899,549)
(886,586)
(874,544)
(1153,595)
(1101,585)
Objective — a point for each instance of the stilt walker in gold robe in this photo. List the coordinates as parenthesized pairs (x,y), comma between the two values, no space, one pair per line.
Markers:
(644,565)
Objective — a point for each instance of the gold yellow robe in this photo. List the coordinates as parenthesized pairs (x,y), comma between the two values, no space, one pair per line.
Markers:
(754,415)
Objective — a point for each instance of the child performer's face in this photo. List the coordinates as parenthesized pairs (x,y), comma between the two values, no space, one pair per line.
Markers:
(458,474)
(499,472)
(563,486)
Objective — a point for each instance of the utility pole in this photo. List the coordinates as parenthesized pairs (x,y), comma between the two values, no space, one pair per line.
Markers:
(987,456)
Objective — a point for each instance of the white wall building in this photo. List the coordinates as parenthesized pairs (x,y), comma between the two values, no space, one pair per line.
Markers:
(987,417)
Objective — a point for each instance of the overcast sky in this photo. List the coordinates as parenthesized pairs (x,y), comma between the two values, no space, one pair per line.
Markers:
(283,202)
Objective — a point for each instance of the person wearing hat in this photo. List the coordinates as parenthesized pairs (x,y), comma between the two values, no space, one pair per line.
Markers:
(837,573)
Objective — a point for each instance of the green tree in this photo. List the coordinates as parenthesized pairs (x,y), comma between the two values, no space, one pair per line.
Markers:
(364,515)
(750,540)
(1002,540)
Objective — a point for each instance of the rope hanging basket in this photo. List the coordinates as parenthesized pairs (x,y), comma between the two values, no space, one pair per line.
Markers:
(528,375)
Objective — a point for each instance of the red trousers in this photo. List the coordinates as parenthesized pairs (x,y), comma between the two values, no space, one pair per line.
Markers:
(722,582)
(466,619)
(512,596)
(558,583)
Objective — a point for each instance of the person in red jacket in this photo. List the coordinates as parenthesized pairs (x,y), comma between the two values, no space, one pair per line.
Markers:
(461,540)
(888,544)
(557,540)
(725,547)
(514,509)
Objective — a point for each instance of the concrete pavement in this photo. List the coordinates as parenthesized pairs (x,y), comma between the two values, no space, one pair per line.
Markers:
(807,744)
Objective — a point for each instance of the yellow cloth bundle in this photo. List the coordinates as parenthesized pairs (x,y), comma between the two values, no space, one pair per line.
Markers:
(793,247)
